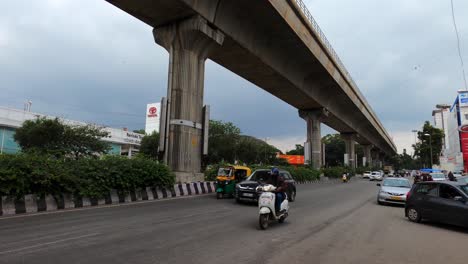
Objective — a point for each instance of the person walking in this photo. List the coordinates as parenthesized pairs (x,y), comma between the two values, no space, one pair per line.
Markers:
(451,177)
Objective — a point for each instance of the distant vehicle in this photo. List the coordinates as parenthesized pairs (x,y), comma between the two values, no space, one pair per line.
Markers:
(246,190)
(387,169)
(457,174)
(442,201)
(438,176)
(366,174)
(376,175)
(393,190)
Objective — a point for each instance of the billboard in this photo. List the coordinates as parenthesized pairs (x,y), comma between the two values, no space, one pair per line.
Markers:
(463,99)
(153,117)
(293,159)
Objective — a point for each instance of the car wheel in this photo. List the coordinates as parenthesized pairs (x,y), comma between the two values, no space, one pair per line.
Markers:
(379,202)
(238,200)
(414,215)
(292,196)
(219,195)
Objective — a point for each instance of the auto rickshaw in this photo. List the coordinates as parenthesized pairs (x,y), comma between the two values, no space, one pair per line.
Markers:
(227,179)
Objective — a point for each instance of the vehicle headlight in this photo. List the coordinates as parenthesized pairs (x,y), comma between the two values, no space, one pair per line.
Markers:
(226,182)
(237,186)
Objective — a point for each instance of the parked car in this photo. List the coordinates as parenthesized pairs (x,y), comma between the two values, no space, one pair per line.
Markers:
(440,201)
(246,190)
(438,176)
(393,191)
(376,175)
(366,175)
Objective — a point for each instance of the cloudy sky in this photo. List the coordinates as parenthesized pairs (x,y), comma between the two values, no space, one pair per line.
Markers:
(87,60)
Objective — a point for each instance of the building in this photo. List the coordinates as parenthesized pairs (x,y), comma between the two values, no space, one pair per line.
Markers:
(122,141)
(455,155)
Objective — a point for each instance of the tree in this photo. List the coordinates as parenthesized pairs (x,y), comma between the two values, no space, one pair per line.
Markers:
(222,141)
(334,150)
(140,131)
(252,150)
(422,149)
(149,145)
(52,137)
(298,151)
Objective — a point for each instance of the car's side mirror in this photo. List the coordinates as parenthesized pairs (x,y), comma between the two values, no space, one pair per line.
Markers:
(378,184)
(458,198)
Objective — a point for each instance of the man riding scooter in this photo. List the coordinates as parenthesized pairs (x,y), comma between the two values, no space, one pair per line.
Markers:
(281,187)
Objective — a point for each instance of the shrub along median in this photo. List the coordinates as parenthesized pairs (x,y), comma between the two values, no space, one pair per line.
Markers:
(87,177)
(300,173)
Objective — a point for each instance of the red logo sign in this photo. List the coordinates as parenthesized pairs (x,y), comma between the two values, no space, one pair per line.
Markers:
(152,112)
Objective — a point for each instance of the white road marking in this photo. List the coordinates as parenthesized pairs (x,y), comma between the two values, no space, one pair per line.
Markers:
(47,243)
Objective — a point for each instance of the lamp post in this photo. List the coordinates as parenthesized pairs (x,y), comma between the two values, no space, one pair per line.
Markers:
(430,145)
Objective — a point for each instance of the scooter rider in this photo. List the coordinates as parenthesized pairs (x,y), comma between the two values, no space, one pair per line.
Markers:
(281,187)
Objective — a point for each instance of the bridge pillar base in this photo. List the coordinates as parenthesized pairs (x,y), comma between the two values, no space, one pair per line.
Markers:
(367,158)
(350,154)
(189,43)
(313,119)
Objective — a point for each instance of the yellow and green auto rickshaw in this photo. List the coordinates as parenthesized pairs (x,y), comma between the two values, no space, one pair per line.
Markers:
(227,179)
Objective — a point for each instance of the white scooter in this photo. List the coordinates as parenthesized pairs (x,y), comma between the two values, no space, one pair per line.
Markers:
(266,204)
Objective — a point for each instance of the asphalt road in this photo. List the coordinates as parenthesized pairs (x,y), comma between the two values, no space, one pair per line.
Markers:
(337,223)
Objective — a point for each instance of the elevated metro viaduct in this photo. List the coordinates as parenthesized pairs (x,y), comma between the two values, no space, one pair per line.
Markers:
(275,44)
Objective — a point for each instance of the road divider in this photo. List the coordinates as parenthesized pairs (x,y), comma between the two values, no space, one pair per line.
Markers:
(32,203)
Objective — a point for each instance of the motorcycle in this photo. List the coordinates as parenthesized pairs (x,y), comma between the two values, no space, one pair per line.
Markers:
(344,178)
(266,204)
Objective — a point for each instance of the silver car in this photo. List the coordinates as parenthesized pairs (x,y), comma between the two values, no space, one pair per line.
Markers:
(393,191)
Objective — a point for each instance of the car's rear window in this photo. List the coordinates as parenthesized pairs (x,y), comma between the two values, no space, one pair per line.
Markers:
(464,188)
(427,189)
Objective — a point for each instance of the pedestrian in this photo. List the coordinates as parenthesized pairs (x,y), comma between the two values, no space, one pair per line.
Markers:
(451,177)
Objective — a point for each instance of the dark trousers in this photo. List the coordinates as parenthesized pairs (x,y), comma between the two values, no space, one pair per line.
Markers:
(278,201)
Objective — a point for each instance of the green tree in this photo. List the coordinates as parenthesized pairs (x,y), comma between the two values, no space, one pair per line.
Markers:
(149,145)
(422,149)
(252,150)
(334,150)
(140,131)
(222,141)
(298,151)
(52,137)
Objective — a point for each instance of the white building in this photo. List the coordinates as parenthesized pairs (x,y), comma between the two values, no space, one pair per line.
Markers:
(122,141)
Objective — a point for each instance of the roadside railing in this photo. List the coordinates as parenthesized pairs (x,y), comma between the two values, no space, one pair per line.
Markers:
(324,40)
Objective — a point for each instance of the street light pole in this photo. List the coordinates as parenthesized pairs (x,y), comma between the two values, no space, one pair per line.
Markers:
(430,146)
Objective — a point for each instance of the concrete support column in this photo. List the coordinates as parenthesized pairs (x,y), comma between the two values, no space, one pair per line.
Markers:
(350,154)
(367,158)
(189,43)
(314,138)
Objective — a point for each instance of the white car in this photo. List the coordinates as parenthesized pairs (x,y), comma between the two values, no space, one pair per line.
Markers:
(376,176)
(366,175)
(438,176)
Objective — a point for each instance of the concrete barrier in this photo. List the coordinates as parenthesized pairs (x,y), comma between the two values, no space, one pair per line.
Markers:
(32,203)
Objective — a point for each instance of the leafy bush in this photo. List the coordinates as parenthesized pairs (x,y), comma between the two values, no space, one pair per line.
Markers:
(335,172)
(299,174)
(26,173)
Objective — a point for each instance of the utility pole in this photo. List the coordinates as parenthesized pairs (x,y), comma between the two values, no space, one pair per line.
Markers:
(430,146)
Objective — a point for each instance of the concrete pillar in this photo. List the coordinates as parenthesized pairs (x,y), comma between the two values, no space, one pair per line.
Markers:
(350,154)
(189,43)
(314,138)
(367,158)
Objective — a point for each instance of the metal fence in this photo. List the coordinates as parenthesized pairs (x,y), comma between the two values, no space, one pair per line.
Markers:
(324,40)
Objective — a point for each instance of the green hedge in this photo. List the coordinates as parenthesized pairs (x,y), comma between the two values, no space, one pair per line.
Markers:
(299,173)
(334,172)
(24,174)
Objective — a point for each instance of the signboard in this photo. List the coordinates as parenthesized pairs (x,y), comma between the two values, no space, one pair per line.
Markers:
(293,159)
(463,98)
(153,117)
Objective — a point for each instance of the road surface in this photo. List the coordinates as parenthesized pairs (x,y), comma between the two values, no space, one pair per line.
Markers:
(332,223)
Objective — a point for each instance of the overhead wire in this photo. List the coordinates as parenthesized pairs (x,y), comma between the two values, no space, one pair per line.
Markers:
(458,43)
